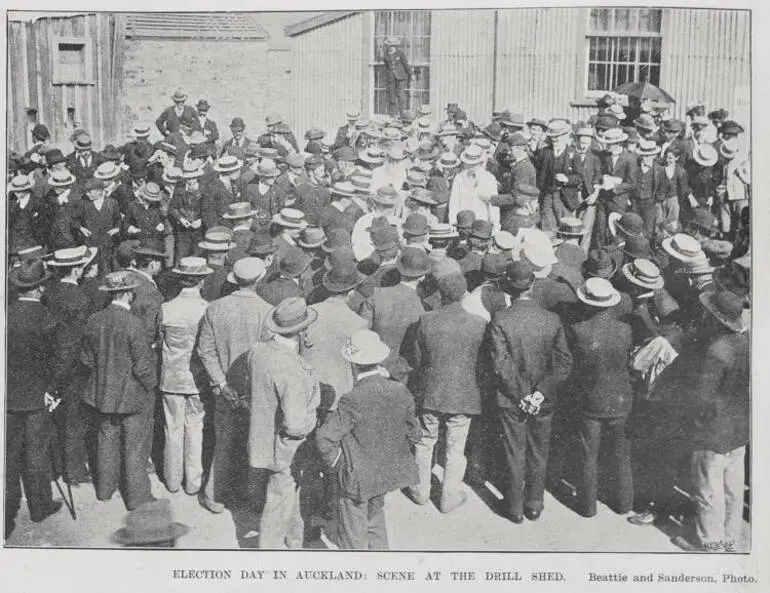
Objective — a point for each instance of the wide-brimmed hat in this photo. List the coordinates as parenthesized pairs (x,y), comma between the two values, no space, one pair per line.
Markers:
(558,127)
(150,191)
(20,183)
(519,275)
(150,248)
(726,307)
(61,179)
(645,122)
(393,40)
(217,239)
(448,160)
(192,266)
(731,127)
(107,170)
(372,155)
(247,270)
(647,148)
(493,131)
(682,247)
(442,230)
(192,172)
(386,195)
(644,273)
(571,227)
(599,264)
(54,156)
(73,257)
(290,218)
(415,225)
(598,292)
(343,188)
(311,237)
(29,274)
(262,244)
(119,281)
(179,96)
(473,155)
(148,524)
(513,120)
(637,246)
(342,277)
(585,131)
(293,262)
(413,262)
(424,196)
(336,239)
(83,142)
(228,164)
(238,210)
(365,347)
(291,316)
(629,224)
(494,264)
(613,136)
(728,151)
(705,155)
(141,130)
(171,175)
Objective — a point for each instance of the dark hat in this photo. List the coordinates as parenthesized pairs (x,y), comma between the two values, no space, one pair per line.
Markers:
(731,127)
(637,247)
(408,116)
(261,244)
(493,131)
(703,220)
(202,105)
(237,124)
(343,254)
(527,191)
(54,156)
(151,247)
(599,264)
(424,196)
(28,254)
(238,210)
(518,139)
(645,122)
(40,132)
(721,114)
(451,107)
(606,100)
(93,183)
(672,125)
(415,225)
(427,151)
(631,224)
(293,262)
(336,239)
(315,134)
(519,275)
(538,122)
(726,306)
(384,237)
(110,153)
(413,262)
(632,134)
(342,277)
(311,237)
(179,96)
(119,281)
(460,115)
(313,161)
(150,523)
(513,120)
(465,219)
(290,316)
(481,229)
(199,151)
(494,264)
(29,274)
(606,121)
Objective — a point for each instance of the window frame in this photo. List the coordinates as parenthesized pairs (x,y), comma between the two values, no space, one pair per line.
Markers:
(589,33)
(58,78)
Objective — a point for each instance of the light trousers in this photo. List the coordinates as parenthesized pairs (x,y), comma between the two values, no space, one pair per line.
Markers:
(182,456)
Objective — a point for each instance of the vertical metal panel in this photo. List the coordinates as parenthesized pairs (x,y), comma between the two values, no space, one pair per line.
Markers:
(16,83)
(461,49)
(327,74)
(705,56)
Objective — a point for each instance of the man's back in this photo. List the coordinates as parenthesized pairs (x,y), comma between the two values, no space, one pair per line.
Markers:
(181,371)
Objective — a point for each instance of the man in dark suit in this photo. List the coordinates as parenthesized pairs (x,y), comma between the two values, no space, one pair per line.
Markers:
(529,354)
(366,443)
(398,75)
(98,222)
(557,178)
(170,119)
(348,134)
(207,126)
(121,388)
(236,146)
(446,384)
(28,215)
(146,265)
(220,192)
(83,161)
(652,186)
(601,390)
(28,429)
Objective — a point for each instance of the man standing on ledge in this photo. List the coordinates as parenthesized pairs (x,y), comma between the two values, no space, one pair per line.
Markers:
(398,75)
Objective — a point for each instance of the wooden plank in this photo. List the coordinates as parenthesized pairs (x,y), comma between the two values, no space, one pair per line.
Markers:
(44,62)
(32,66)
(15,97)
(101,65)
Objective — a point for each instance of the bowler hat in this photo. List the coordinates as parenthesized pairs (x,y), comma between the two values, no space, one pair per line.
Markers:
(111,154)
(519,275)
(630,224)
(465,219)
(342,277)
(179,96)
(262,244)
(203,106)
(150,248)
(192,266)
(598,292)
(40,132)
(599,264)
(237,124)
(54,157)
(148,524)
(238,210)
(643,273)
(726,307)
(481,229)
(415,225)
(336,239)
(413,262)
(494,264)
(119,281)
(637,246)
(384,237)
(29,274)
(311,237)
(365,347)
(293,262)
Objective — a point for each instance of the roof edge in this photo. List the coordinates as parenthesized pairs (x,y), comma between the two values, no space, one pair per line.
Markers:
(317,21)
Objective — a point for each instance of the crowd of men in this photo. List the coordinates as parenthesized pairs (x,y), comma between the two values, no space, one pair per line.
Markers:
(559,303)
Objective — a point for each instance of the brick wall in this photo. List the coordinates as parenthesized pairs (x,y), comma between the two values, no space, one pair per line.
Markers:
(238,78)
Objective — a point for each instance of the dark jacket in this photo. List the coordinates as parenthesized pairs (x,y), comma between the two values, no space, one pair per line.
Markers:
(528,352)
(627,169)
(445,358)
(550,166)
(372,430)
(30,332)
(30,226)
(590,169)
(332,218)
(396,66)
(601,383)
(147,306)
(83,171)
(521,173)
(216,198)
(123,368)
(168,121)
(236,150)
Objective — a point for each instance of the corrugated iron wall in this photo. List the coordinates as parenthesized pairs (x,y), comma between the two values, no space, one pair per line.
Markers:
(328,70)
(539,50)
(461,49)
(31,52)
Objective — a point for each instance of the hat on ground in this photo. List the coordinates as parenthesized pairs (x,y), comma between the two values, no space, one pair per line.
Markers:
(558,127)
(705,155)
(247,270)
(682,247)
(448,160)
(599,264)
(630,224)
(465,219)
(386,195)
(598,292)
(473,155)
(342,277)
(192,266)
(290,218)
(481,229)
(372,155)
(637,247)
(645,122)
(119,281)
(393,41)
(29,274)
(268,168)
(570,227)
(61,179)
(172,175)
(150,523)
(262,244)
(20,183)
(238,210)
(613,136)
(291,316)
(442,230)
(415,225)
(217,239)
(311,237)
(73,256)
(228,164)
(179,96)
(150,191)
(643,273)
(365,347)
(519,275)
(413,262)
(726,306)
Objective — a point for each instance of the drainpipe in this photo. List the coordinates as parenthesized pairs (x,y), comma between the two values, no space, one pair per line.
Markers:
(494,59)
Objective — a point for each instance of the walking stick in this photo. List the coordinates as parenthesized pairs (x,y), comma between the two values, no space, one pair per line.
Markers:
(70,504)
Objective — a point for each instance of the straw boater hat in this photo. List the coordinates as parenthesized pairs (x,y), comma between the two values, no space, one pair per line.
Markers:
(311,237)
(228,164)
(20,183)
(386,195)
(218,238)
(647,148)
(442,230)
(645,122)
(142,130)
(393,41)
(73,257)
(172,175)
(239,210)
(473,155)
(192,266)
(150,523)
(290,218)
(448,160)
(682,247)
(613,136)
(699,266)
(292,315)
(119,281)
(423,196)
(372,155)
(365,347)
(150,191)
(179,96)
(570,227)
(726,306)
(644,273)
(61,179)
(29,274)
(705,155)
(107,170)
(598,292)
(192,172)
(557,127)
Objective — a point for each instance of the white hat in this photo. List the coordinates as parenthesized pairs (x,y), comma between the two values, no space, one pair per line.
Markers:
(598,292)
(365,347)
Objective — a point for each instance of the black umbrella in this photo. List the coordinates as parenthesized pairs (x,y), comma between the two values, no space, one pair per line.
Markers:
(645,91)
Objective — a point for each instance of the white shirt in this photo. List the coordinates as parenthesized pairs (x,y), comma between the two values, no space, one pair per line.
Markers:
(23,201)
(63,197)
(125,306)
(465,192)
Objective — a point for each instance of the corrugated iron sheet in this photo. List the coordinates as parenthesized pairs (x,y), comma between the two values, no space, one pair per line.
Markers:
(195,25)
(329,64)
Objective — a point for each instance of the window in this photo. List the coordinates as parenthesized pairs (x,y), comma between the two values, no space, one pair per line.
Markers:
(413,28)
(72,61)
(623,46)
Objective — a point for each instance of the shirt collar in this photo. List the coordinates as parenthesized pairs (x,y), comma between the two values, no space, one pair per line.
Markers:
(24,201)
(378,371)
(122,305)
(286,342)
(190,291)
(69,281)
(338,206)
